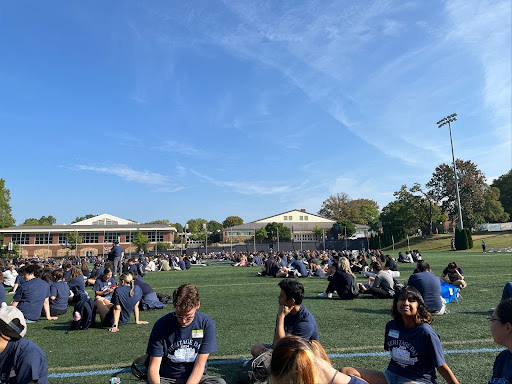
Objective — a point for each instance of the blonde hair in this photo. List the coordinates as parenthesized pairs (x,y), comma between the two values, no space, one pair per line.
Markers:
(344,265)
(294,361)
(75,272)
(128,279)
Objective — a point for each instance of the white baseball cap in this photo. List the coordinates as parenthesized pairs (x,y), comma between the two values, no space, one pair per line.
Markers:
(12,322)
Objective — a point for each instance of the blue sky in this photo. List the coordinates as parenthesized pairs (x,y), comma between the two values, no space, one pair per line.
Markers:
(157,109)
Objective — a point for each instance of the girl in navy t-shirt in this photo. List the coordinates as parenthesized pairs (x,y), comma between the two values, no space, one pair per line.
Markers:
(125,299)
(415,348)
(501,329)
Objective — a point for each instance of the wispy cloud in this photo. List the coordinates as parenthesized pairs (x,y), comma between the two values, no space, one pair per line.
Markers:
(177,147)
(250,187)
(128,174)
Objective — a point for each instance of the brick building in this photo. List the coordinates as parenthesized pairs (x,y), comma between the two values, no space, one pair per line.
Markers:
(97,233)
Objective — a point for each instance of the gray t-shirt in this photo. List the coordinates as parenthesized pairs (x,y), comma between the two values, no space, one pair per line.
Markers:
(384,281)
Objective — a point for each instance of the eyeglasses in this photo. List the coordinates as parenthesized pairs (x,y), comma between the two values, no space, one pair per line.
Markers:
(184,318)
(491,319)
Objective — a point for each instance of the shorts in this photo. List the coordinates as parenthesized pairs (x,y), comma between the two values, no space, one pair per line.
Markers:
(393,378)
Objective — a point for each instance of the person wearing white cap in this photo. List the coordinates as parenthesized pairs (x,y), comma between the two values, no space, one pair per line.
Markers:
(21,361)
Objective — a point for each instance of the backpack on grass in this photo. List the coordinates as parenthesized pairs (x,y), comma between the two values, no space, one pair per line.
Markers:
(87,311)
(256,370)
(140,366)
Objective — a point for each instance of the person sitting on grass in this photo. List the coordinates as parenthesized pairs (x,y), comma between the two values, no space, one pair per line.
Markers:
(105,284)
(292,317)
(21,360)
(501,329)
(125,300)
(181,342)
(33,296)
(341,281)
(383,285)
(415,348)
(297,361)
(149,298)
(429,286)
(76,284)
(10,275)
(454,275)
(59,293)
(96,272)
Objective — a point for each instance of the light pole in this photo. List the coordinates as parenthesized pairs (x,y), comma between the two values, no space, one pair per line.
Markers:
(448,120)
(205,238)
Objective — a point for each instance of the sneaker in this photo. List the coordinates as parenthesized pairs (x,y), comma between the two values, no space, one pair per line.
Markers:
(329,295)
(324,294)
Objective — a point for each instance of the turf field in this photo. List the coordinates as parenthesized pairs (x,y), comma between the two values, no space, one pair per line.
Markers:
(244,308)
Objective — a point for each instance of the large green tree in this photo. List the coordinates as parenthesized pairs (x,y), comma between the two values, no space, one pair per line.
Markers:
(340,207)
(6,218)
(409,212)
(493,211)
(214,231)
(74,239)
(140,241)
(231,221)
(274,229)
(504,184)
(196,225)
(343,228)
(472,187)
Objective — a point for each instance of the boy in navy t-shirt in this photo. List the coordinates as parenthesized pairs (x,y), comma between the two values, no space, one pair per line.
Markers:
(181,342)
(292,317)
(21,361)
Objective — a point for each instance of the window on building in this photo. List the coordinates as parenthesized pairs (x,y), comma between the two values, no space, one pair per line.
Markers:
(305,217)
(232,233)
(154,237)
(286,217)
(44,238)
(110,222)
(289,218)
(110,237)
(20,238)
(90,237)
(62,238)
(129,237)
(245,233)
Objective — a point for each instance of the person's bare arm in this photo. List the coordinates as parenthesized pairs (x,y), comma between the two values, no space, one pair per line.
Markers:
(136,314)
(281,314)
(154,370)
(46,306)
(198,370)
(445,371)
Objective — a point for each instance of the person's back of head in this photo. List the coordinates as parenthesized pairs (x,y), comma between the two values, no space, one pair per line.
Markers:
(293,290)
(423,266)
(294,361)
(57,275)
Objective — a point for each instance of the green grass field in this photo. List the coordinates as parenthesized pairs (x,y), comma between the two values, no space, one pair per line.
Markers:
(244,308)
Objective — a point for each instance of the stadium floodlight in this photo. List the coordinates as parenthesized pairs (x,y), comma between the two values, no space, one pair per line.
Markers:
(448,120)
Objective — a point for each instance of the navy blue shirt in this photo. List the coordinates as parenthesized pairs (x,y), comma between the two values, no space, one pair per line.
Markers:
(429,286)
(101,285)
(20,280)
(181,264)
(77,285)
(97,272)
(67,274)
(31,297)
(25,360)
(302,324)
(59,290)
(145,287)
(502,370)
(2,293)
(415,352)
(300,267)
(116,251)
(179,346)
(121,297)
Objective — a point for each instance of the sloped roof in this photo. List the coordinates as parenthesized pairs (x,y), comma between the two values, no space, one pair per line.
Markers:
(104,219)
(318,219)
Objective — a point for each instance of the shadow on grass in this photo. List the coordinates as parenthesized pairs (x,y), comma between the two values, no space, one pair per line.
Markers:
(368,310)
(58,327)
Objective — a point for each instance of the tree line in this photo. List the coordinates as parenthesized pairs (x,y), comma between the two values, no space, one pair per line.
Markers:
(417,207)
